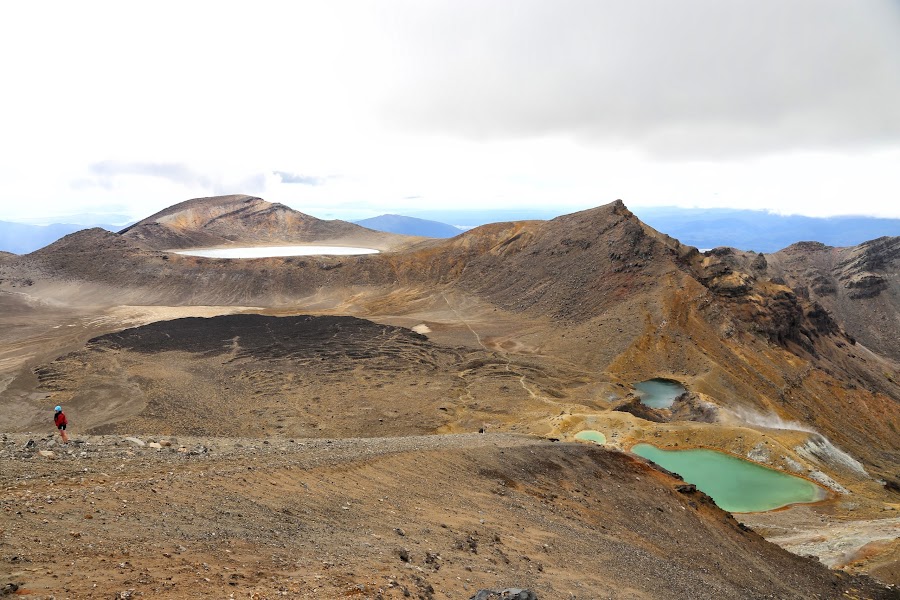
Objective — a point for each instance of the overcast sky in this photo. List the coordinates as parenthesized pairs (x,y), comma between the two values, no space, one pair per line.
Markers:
(354,109)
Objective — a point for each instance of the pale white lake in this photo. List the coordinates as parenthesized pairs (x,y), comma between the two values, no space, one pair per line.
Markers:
(268,251)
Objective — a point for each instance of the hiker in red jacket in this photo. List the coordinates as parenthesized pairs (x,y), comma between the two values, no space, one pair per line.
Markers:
(61,421)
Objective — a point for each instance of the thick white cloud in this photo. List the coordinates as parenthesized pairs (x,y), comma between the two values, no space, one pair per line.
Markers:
(139,105)
(688,78)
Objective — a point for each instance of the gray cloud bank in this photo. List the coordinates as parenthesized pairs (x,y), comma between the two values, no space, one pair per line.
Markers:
(175,172)
(694,78)
(287,177)
(105,171)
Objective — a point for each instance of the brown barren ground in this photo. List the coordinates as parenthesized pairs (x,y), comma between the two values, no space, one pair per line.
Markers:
(421,517)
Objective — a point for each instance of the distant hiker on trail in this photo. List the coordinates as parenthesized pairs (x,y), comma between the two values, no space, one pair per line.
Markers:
(61,421)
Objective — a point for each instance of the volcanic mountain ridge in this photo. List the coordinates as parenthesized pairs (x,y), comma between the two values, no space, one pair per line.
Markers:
(536,327)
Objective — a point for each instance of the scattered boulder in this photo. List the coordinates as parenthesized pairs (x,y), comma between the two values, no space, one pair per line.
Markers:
(506,594)
(9,588)
(137,442)
(198,450)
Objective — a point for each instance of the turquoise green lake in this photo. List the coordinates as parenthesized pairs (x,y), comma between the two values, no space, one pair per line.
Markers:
(735,484)
(591,436)
(659,393)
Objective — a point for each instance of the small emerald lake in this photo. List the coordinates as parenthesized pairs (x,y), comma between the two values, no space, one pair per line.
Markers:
(659,393)
(590,435)
(735,484)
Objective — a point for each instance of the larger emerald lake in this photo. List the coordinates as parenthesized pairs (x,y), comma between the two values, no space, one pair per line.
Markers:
(735,484)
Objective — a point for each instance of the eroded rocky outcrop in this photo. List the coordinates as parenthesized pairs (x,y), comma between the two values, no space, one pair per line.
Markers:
(765,303)
(857,285)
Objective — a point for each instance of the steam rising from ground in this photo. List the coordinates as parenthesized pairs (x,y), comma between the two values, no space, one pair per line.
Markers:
(817,448)
(769,421)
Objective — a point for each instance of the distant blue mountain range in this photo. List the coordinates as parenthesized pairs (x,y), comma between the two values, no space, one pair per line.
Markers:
(20,238)
(762,231)
(410,226)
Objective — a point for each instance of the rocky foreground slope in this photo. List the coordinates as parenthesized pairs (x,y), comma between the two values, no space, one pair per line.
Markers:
(421,517)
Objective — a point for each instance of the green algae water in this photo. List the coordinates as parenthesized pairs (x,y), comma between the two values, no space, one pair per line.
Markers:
(735,484)
(659,393)
(591,436)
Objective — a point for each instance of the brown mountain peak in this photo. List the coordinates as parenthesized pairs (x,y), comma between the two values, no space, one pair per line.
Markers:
(210,212)
(246,220)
